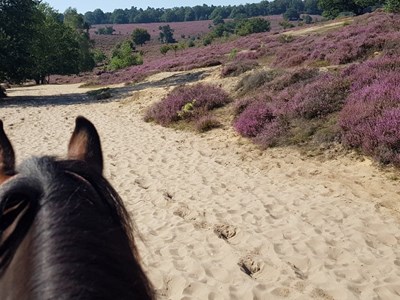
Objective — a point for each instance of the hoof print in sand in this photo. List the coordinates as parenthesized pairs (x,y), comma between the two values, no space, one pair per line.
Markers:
(249,266)
(224,231)
(140,182)
(168,196)
(182,212)
(299,273)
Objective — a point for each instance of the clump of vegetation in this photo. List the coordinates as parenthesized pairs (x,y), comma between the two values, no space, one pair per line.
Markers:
(206,123)
(187,103)
(123,56)
(286,38)
(286,24)
(108,30)
(369,120)
(99,56)
(100,94)
(253,25)
(392,6)
(238,67)
(256,79)
(140,36)
(166,35)
(302,75)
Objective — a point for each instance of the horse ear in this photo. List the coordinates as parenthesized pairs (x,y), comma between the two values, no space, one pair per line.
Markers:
(85,144)
(7,157)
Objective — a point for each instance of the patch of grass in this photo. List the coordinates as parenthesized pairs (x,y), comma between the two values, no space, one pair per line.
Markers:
(206,123)
(253,81)
(100,94)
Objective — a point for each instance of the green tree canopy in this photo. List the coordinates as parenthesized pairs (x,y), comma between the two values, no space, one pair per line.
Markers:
(166,34)
(140,36)
(17,32)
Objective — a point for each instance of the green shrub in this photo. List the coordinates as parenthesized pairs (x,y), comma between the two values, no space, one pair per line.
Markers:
(253,25)
(99,56)
(123,56)
(164,49)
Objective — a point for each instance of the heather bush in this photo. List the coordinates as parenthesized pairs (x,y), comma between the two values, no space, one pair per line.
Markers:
(238,67)
(186,102)
(270,134)
(321,97)
(206,123)
(386,137)
(253,119)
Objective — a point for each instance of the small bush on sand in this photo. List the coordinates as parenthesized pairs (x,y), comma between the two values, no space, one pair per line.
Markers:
(187,102)
(206,123)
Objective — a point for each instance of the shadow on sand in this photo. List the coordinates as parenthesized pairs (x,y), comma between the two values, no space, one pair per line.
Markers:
(83,98)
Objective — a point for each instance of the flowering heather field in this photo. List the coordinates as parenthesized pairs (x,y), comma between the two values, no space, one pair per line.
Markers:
(354,99)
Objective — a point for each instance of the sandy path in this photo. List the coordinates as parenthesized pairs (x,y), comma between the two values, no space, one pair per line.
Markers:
(222,220)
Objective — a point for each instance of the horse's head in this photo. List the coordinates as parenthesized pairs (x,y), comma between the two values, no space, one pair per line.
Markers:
(62,220)
(84,145)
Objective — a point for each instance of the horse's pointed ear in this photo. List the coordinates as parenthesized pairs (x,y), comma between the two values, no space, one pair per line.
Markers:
(85,144)
(7,157)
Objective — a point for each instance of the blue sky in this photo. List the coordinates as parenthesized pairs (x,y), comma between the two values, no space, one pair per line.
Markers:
(108,6)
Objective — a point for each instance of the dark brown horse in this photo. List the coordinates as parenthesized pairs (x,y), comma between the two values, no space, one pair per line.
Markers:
(64,231)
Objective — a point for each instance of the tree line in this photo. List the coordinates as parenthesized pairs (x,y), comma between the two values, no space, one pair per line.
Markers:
(36,41)
(329,8)
(199,12)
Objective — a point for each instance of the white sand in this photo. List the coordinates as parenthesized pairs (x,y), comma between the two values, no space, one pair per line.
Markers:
(302,228)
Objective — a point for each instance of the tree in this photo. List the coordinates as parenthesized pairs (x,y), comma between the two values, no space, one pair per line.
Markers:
(332,8)
(55,49)
(291,14)
(119,17)
(73,19)
(253,25)
(17,33)
(140,36)
(166,34)
(311,7)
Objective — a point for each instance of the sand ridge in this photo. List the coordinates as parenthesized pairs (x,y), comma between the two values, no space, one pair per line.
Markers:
(220,219)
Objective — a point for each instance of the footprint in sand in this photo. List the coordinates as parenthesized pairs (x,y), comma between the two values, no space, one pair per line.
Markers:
(225,231)
(182,211)
(141,182)
(249,266)
(299,273)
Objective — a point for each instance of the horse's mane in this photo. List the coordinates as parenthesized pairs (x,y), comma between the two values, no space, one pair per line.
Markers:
(55,189)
